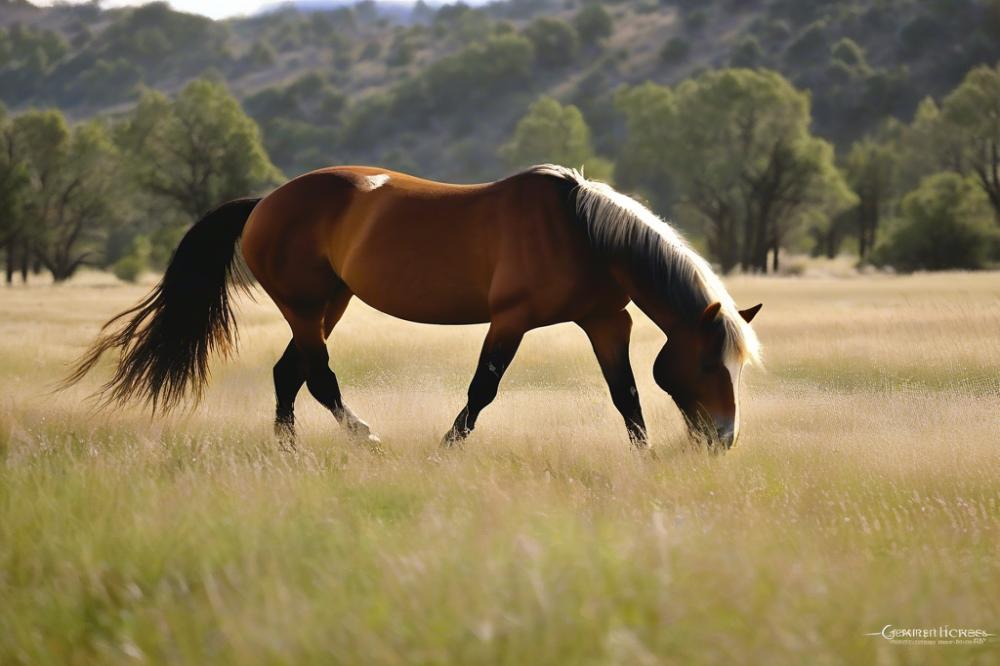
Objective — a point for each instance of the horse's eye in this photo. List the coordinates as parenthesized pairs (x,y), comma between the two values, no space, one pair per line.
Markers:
(708,367)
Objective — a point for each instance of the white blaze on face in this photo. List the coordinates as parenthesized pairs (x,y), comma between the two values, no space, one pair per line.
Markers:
(735,368)
(370,183)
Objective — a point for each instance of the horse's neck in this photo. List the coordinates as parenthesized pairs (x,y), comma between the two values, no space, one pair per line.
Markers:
(645,297)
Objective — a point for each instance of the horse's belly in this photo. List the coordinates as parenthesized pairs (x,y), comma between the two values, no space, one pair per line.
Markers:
(424,296)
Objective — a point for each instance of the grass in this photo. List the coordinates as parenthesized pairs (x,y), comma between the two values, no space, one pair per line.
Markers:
(863,493)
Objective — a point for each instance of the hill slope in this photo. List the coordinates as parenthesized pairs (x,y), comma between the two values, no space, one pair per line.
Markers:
(440,90)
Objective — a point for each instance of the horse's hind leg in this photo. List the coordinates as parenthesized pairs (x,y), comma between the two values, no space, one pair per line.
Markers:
(310,327)
(292,369)
(289,376)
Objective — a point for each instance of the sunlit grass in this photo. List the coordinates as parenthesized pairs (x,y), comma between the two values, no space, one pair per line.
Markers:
(863,493)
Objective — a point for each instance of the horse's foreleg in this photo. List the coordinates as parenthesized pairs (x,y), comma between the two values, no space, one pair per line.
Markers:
(498,351)
(609,336)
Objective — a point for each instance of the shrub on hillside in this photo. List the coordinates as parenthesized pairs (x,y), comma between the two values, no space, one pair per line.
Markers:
(593,23)
(675,50)
(556,41)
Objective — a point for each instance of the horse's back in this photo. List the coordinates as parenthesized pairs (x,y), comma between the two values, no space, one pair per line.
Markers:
(419,249)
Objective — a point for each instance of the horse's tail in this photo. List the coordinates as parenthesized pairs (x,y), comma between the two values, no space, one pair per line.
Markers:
(166,340)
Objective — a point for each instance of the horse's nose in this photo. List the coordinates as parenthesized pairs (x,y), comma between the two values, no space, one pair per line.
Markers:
(726,434)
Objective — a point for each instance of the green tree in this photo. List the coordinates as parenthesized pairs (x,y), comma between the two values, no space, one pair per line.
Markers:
(551,132)
(736,146)
(196,151)
(747,53)
(641,162)
(593,23)
(13,189)
(945,224)
(849,53)
(675,50)
(74,180)
(971,114)
(871,172)
(555,41)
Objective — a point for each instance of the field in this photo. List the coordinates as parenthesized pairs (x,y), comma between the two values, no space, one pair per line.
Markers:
(864,492)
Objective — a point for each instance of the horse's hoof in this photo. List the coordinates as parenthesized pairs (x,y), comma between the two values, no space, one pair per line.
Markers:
(453,439)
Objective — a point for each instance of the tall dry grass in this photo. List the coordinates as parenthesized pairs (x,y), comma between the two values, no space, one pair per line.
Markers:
(863,492)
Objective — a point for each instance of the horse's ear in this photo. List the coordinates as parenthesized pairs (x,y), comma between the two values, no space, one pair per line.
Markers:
(710,314)
(750,313)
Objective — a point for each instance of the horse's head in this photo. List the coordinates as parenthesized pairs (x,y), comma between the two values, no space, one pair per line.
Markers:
(698,371)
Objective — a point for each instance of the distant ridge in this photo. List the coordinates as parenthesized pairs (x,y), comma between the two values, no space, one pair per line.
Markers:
(400,10)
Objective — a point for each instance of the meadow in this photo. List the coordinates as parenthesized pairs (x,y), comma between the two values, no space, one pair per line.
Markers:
(863,492)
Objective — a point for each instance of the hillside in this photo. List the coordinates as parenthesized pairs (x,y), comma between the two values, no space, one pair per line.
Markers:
(440,90)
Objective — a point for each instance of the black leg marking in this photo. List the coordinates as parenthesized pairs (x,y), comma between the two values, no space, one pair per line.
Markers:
(498,351)
(609,336)
(322,383)
(288,379)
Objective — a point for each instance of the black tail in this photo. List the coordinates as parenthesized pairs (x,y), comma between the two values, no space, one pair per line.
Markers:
(165,341)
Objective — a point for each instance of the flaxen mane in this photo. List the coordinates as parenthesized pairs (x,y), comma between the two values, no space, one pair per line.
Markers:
(619,226)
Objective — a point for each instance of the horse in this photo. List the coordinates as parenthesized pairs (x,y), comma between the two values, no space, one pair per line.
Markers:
(541,247)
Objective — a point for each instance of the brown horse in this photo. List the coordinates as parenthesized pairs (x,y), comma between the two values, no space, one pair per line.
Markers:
(541,247)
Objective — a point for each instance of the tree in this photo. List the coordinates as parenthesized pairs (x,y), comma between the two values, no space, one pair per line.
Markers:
(675,50)
(736,146)
(641,164)
(593,23)
(196,151)
(871,172)
(555,41)
(13,187)
(551,132)
(972,115)
(69,203)
(74,189)
(945,224)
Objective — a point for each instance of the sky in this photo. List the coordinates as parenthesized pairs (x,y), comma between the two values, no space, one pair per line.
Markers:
(212,8)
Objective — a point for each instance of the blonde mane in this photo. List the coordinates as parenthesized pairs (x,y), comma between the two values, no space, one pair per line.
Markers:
(619,226)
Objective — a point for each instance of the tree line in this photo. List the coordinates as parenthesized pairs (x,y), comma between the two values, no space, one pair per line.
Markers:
(119,193)
(728,154)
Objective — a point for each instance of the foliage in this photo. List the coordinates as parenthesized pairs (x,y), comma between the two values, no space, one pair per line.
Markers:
(556,41)
(130,267)
(73,195)
(593,23)
(13,191)
(747,53)
(675,50)
(553,133)
(300,122)
(971,114)
(196,151)
(735,145)
(871,172)
(945,224)
(848,52)
(641,165)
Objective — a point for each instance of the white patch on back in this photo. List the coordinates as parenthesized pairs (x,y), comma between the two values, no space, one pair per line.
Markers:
(369,183)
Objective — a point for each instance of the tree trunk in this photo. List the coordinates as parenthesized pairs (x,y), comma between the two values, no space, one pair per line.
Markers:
(25,259)
(774,259)
(9,261)
(862,233)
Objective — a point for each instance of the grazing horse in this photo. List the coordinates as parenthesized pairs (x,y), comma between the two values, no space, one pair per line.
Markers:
(541,247)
